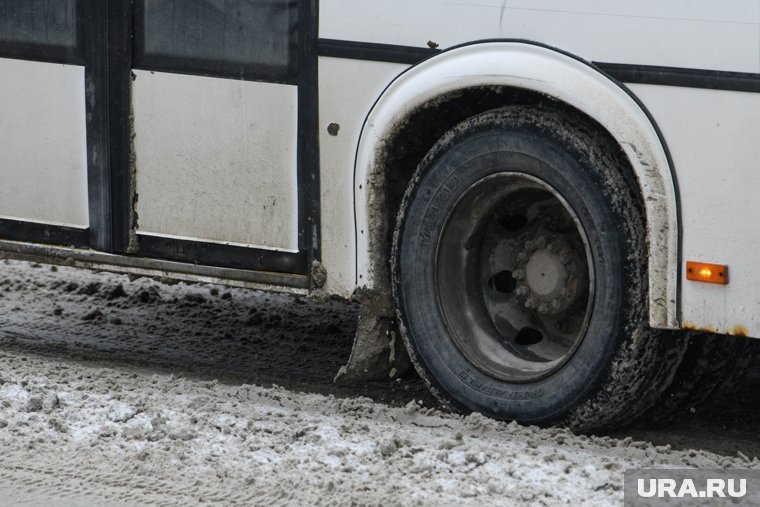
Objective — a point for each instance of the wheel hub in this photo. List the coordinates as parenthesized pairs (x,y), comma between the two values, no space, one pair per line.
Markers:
(546,277)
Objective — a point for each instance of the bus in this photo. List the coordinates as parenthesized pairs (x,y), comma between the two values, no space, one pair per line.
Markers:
(533,201)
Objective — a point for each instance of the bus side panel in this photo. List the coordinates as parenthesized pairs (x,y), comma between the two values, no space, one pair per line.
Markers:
(712,136)
(43,158)
(348,89)
(698,33)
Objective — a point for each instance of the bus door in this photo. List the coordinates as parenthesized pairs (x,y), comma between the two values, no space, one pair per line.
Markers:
(215,102)
(43,135)
(176,129)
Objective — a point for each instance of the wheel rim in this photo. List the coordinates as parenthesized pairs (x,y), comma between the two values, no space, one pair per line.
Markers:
(514,277)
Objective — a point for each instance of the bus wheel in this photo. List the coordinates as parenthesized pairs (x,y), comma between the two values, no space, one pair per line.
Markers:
(519,274)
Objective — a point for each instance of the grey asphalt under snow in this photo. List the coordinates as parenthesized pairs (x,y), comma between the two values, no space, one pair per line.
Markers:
(118,393)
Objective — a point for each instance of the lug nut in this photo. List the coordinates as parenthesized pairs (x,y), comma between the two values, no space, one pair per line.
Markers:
(521,256)
(530,304)
(556,305)
(518,274)
(521,291)
(543,308)
(540,242)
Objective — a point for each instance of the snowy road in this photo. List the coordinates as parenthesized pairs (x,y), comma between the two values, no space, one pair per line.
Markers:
(118,393)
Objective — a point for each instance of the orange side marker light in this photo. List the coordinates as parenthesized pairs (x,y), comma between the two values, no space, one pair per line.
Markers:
(708,273)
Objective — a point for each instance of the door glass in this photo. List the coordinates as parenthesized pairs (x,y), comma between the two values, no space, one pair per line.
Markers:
(251,34)
(39,22)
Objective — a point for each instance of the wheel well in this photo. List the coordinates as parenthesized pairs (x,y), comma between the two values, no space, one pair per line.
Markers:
(425,126)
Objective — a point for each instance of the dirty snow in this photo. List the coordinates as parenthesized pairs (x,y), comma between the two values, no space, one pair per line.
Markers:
(180,397)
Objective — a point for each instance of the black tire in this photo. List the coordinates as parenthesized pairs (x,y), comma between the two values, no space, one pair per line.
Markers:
(596,375)
(712,364)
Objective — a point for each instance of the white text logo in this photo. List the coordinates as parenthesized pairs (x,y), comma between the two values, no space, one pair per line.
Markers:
(714,488)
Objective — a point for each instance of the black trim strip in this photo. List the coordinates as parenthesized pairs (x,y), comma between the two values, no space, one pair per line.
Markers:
(107,91)
(97,123)
(33,232)
(389,53)
(309,197)
(92,259)
(224,256)
(627,73)
(119,122)
(682,77)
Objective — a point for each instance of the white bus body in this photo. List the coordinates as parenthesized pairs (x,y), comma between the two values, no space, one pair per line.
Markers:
(266,160)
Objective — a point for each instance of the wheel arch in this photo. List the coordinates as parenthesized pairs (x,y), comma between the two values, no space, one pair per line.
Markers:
(533,70)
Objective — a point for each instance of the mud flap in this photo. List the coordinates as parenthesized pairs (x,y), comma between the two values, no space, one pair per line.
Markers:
(378,352)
